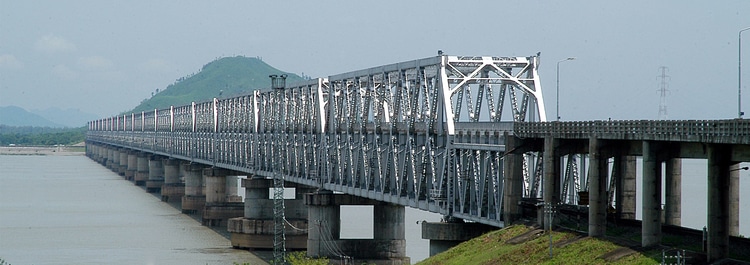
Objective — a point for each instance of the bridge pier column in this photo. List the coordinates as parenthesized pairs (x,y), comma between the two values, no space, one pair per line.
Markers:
(388,245)
(551,178)
(132,168)
(255,230)
(172,189)
(734,199)
(222,203)
(195,198)
(673,192)
(719,200)
(625,196)
(513,180)
(123,169)
(141,173)
(155,174)
(443,235)
(651,204)
(111,158)
(598,172)
(114,159)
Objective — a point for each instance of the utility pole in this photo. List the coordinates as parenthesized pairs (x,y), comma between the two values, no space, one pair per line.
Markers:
(663,90)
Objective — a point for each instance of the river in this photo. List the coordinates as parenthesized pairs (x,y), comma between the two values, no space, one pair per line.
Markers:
(71,210)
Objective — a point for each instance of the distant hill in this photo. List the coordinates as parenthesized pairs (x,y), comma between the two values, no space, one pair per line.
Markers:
(73,118)
(16,116)
(220,78)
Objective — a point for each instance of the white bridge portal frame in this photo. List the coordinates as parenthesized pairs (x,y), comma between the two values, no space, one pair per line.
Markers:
(426,133)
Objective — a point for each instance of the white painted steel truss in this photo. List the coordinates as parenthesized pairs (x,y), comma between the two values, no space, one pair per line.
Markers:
(426,133)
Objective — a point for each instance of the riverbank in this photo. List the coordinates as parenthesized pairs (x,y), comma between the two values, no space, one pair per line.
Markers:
(73,150)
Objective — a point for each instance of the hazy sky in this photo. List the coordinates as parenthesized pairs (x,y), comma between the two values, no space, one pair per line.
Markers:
(104,57)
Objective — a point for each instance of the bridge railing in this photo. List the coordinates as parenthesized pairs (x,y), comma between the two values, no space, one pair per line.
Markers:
(736,131)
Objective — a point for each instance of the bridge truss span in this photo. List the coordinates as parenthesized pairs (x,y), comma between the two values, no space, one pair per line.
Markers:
(427,133)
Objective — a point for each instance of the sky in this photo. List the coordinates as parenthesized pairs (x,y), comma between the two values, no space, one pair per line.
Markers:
(104,57)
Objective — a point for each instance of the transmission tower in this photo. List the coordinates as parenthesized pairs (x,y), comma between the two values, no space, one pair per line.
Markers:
(279,236)
(663,90)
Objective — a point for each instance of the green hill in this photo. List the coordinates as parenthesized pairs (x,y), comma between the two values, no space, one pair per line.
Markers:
(221,78)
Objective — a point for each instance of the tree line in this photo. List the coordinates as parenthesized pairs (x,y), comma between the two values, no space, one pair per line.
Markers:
(30,135)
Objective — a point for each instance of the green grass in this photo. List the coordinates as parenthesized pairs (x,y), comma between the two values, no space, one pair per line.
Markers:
(491,248)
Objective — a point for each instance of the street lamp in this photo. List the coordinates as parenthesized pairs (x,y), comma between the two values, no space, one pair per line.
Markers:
(557,98)
(739,72)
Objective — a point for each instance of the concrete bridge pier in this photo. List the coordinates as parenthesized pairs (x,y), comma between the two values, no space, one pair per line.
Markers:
(172,189)
(222,202)
(734,199)
(719,163)
(513,174)
(132,165)
(141,173)
(124,164)
(625,186)
(551,169)
(155,174)
(255,230)
(673,192)
(388,245)
(652,187)
(598,172)
(195,198)
(112,161)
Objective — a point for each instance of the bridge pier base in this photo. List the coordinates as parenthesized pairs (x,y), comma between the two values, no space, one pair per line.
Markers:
(173,189)
(194,199)
(155,174)
(444,236)
(141,173)
(222,202)
(255,230)
(719,163)
(388,245)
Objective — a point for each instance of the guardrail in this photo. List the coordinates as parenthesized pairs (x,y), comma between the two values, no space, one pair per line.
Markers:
(736,131)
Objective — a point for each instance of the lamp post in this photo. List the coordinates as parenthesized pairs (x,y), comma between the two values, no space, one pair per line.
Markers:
(739,72)
(557,97)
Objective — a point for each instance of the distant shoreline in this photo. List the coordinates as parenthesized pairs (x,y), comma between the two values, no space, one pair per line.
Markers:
(43,150)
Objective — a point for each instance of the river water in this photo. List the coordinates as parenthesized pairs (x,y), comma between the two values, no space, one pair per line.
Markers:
(71,210)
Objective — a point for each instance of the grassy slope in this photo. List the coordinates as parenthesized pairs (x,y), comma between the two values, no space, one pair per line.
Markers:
(491,248)
(221,78)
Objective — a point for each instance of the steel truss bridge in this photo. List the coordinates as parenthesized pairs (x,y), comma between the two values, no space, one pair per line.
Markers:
(427,133)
